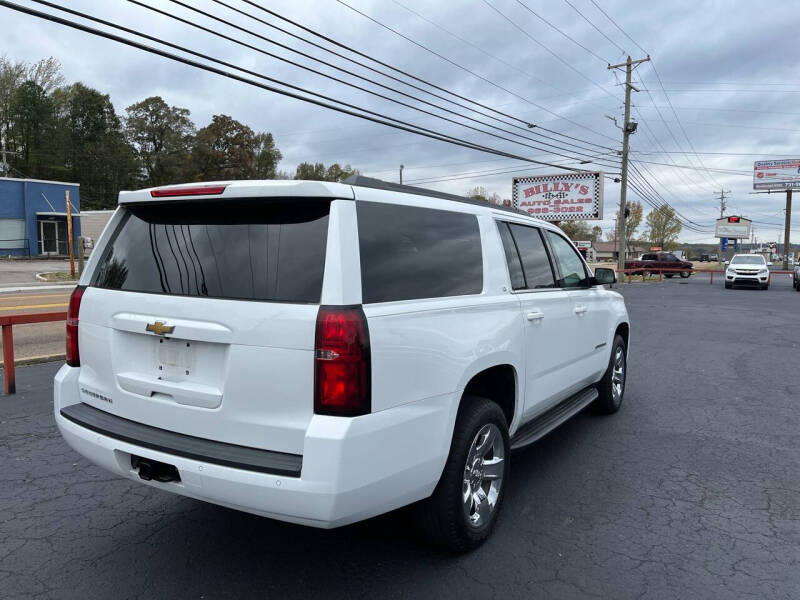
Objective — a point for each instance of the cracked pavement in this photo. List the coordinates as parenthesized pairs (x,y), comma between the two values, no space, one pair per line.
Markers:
(691,491)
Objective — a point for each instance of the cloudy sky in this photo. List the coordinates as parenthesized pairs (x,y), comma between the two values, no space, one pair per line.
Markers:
(727,93)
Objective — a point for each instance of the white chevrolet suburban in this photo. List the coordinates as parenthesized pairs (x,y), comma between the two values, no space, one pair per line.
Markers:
(322,353)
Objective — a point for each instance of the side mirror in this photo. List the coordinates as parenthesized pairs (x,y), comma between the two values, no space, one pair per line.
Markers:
(604,276)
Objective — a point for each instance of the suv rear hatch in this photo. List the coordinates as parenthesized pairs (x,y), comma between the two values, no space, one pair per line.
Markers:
(200,319)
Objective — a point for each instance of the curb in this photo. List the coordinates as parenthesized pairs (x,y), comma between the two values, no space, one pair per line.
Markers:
(30,288)
(41,277)
(35,360)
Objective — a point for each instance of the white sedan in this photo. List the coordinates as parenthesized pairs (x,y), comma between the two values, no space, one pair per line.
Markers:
(747,269)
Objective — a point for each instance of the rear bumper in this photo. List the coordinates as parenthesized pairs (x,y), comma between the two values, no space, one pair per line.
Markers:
(352,469)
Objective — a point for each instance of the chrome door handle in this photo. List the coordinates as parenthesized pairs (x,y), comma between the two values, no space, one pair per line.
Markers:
(579,310)
(535,316)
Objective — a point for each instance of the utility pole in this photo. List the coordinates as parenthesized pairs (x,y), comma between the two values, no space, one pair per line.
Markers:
(722,207)
(69,236)
(627,129)
(401,174)
(786,246)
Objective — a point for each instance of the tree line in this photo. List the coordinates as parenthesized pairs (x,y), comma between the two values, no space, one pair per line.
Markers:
(51,130)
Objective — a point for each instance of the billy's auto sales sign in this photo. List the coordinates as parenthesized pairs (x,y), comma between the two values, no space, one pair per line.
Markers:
(561,197)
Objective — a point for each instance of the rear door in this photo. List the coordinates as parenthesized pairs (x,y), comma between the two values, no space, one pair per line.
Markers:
(200,319)
(546,316)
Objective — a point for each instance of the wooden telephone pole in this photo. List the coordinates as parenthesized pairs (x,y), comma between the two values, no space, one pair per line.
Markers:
(627,129)
(69,236)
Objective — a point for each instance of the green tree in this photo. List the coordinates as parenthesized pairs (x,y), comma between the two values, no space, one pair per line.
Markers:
(95,154)
(267,157)
(663,228)
(597,234)
(632,222)
(162,136)
(228,149)
(318,172)
(478,193)
(31,135)
(576,230)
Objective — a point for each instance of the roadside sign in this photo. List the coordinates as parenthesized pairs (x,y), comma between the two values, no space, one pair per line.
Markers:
(724,242)
(655,248)
(733,227)
(583,245)
(560,197)
(776,174)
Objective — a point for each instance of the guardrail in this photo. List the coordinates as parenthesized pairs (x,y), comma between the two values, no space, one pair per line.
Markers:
(644,272)
(7,322)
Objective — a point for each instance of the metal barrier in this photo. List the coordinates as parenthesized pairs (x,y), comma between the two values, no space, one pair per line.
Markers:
(7,322)
(644,272)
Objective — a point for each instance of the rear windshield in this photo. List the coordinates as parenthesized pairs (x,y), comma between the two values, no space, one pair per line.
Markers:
(248,250)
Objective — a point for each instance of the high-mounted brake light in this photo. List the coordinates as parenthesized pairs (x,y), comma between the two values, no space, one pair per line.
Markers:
(342,369)
(73,355)
(200,190)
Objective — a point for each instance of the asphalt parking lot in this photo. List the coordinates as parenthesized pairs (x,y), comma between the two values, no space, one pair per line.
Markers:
(691,491)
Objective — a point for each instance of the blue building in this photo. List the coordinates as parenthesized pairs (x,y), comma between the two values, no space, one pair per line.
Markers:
(33,217)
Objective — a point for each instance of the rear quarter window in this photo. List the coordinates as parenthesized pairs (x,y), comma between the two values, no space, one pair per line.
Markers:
(248,250)
(411,253)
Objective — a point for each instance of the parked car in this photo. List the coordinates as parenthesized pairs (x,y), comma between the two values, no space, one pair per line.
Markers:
(653,261)
(321,353)
(747,269)
(705,258)
(796,277)
(713,257)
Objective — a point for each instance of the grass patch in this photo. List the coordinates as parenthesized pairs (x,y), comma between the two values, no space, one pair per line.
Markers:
(57,276)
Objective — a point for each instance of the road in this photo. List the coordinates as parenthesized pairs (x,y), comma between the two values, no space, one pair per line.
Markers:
(691,491)
(23,272)
(38,339)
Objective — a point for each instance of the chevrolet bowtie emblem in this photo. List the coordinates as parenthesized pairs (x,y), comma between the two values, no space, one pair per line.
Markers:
(159,328)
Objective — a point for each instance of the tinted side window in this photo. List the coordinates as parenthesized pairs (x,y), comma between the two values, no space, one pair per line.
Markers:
(512,257)
(409,252)
(573,273)
(250,250)
(649,257)
(535,262)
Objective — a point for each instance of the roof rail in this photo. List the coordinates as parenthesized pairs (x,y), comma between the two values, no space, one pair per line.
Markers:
(379,184)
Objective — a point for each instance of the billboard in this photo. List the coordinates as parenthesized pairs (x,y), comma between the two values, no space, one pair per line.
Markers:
(561,197)
(733,227)
(776,174)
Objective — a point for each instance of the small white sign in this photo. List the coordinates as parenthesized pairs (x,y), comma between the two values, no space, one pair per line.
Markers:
(726,229)
(583,245)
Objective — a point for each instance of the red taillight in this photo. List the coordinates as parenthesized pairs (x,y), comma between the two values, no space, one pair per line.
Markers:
(342,363)
(199,190)
(73,356)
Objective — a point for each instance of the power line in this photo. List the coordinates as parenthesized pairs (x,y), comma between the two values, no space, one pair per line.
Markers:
(490,82)
(569,37)
(541,45)
(348,109)
(597,6)
(572,6)
(334,78)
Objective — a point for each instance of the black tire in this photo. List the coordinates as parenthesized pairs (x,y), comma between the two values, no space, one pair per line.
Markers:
(442,517)
(797,285)
(728,285)
(607,402)
(685,274)
(765,286)
(669,275)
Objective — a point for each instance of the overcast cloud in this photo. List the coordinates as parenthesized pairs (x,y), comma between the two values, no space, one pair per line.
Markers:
(729,68)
